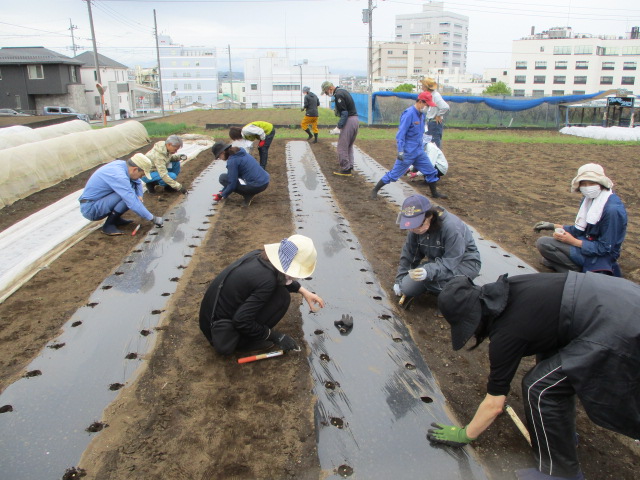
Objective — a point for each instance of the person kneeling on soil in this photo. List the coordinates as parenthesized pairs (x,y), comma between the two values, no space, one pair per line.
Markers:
(244,176)
(166,166)
(115,188)
(439,246)
(247,299)
(583,329)
(594,242)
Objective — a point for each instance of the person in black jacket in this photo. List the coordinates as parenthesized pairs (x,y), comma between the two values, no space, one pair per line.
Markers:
(347,128)
(247,299)
(584,330)
(310,120)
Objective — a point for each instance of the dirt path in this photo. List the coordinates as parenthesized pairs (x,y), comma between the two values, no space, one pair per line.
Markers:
(192,414)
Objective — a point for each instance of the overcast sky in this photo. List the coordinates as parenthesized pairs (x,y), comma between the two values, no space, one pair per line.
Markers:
(325,32)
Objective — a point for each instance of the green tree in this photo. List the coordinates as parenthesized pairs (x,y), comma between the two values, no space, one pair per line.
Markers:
(498,88)
(405,87)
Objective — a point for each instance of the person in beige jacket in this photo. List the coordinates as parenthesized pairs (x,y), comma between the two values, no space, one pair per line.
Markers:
(166,165)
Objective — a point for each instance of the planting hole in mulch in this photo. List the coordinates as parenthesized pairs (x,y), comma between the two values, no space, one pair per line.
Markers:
(384,316)
(137,251)
(96,427)
(144,333)
(377,298)
(56,346)
(426,399)
(107,287)
(33,373)
(329,385)
(325,357)
(74,473)
(345,471)
(174,279)
(410,366)
(181,267)
(75,324)
(165,294)
(6,408)
(337,422)
(397,339)
(318,331)
(92,304)
(156,312)
(131,356)
(116,386)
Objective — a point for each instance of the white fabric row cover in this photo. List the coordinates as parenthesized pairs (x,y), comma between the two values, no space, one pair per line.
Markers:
(21,134)
(32,167)
(624,134)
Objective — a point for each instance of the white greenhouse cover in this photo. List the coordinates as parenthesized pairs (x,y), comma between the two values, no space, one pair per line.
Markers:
(601,133)
(19,134)
(32,167)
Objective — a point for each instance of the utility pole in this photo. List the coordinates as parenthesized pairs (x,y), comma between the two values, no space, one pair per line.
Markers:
(95,59)
(367,17)
(230,73)
(155,32)
(73,27)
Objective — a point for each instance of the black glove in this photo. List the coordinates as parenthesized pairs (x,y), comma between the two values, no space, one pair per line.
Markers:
(159,221)
(345,324)
(182,190)
(538,227)
(285,341)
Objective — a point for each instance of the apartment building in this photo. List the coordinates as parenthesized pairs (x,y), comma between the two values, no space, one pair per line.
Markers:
(560,62)
(273,82)
(407,61)
(452,28)
(189,74)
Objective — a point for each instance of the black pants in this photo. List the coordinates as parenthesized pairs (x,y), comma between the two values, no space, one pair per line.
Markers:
(264,150)
(243,190)
(550,407)
(228,338)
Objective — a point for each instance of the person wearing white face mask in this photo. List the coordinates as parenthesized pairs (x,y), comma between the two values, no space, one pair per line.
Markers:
(410,151)
(594,242)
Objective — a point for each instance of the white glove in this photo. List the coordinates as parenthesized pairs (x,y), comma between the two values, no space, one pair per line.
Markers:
(396,290)
(418,274)
(335,131)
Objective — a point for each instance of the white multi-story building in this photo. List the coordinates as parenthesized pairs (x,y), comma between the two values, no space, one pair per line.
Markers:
(407,61)
(452,28)
(560,62)
(189,74)
(272,81)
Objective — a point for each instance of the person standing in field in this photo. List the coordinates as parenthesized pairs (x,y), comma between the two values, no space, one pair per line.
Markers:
(347,128)
(261,131)
(435,114)
(310,121)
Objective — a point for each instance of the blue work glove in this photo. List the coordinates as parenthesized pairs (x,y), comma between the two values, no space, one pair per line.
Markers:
(448,435)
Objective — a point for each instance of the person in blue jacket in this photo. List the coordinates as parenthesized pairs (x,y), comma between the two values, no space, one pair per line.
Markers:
(594,242)
(244,174)
(115,188)
(410,151)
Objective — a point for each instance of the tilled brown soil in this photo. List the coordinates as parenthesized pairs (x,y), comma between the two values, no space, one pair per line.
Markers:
(193,414)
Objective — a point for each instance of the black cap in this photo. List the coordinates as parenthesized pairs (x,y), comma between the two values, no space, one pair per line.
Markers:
(218,148)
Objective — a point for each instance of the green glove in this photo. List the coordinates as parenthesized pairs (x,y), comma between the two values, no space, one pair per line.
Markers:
(448,435)
(538,227)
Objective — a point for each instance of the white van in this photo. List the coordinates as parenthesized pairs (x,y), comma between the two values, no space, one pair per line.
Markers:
(65,111)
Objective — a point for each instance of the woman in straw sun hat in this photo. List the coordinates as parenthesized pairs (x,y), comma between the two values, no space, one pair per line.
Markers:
(247,299)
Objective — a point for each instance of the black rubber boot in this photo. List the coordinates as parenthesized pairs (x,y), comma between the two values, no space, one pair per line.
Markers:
(315,138)
(374,191)
(434,191)
(109,227)
(309,133)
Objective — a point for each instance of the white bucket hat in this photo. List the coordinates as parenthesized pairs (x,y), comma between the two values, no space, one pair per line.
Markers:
(592,172)
(294,256)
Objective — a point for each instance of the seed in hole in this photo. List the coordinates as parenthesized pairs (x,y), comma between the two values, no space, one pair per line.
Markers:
(131,356)
(75,324)
(33,373)
(329,385)
(377,298)
(337,422)
(116,386)
(156,312)
(384,316)
(92,304)
(119,273)
(96,427)
(56,346)
(397,339)
(345,471)
(6,408)
(319,331)
(144,333)
(174,279)
(426,399)
(410,366)
(106,287)
(324,357)
(165,294)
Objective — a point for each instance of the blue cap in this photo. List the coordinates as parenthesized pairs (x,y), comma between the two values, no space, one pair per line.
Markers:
(414,209)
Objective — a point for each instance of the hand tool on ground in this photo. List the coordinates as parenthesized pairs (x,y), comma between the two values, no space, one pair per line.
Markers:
(135,230)
(518,422)
(262,356)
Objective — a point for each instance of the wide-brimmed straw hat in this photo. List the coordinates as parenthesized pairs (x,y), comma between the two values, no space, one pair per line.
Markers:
(592,172)
(294,256)
(429,83)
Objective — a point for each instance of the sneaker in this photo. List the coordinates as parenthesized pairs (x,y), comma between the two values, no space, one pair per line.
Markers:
(158,189)
(255,346)
(247,200)
(343,173)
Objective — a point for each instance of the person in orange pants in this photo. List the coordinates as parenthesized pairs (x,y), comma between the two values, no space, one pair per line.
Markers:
(310,121)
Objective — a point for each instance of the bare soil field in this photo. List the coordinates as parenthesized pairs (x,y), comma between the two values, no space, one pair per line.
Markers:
(192,414)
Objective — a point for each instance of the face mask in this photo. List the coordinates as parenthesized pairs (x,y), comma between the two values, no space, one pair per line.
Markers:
(591,192)
(425,109)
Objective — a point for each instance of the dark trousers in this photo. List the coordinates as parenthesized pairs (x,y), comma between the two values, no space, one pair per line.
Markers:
(435,129)
(244,190)
(227,338)
(264,150)
(557,255)
(550,408)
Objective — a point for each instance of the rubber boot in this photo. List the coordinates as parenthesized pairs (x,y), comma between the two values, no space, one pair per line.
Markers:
(315,138)
(434,191)
(109,227)
(374,191)
(309,133)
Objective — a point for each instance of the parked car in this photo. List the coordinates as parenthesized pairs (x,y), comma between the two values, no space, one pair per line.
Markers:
(65,111)
(8,112)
